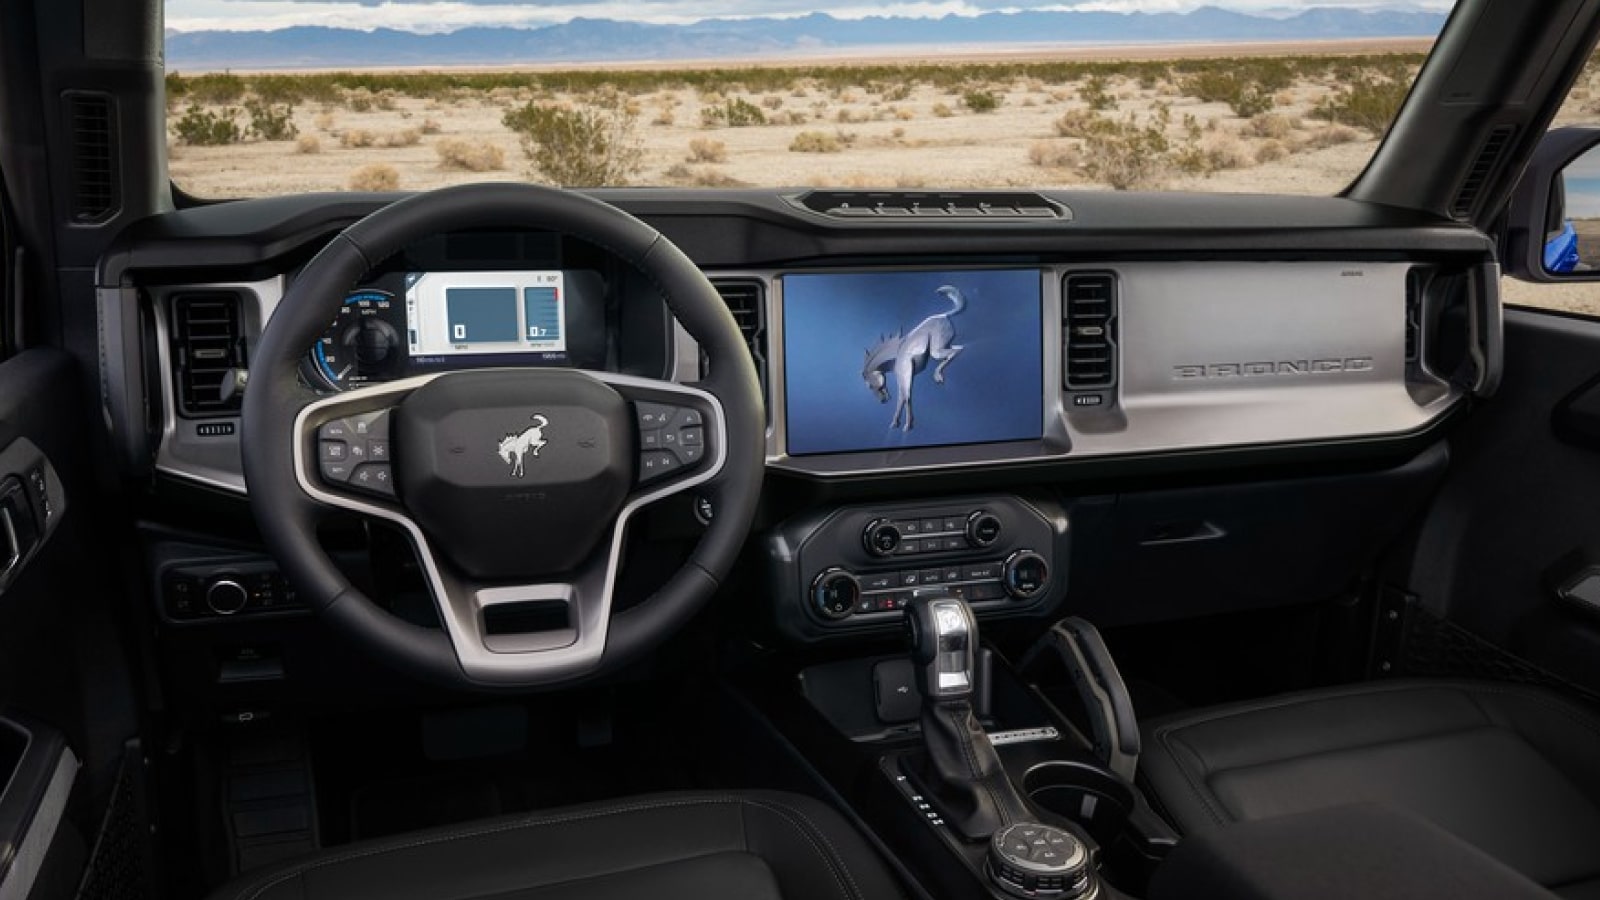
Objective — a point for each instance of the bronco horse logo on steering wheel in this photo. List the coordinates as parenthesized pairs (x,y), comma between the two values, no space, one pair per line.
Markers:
(516,445)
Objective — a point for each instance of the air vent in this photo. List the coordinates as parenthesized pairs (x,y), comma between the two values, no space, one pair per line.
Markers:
(1483,168)
(1417,279)
(1089,308)
(207,342)
(96,189)
(746,300)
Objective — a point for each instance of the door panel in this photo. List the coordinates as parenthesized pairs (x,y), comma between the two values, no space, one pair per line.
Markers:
(1520,512)
(66,707)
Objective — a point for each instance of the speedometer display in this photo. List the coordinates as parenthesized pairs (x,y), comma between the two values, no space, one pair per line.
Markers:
(362,345)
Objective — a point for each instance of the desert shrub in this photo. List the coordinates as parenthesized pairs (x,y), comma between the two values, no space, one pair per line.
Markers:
(406,137)
(772,102)
(1271,125)
(357,137)
(1366,103)
(735,113)
(429,126)
(377,177)
(1224,150)
(980,101)
(1093,92)
(705,150)
(794,117)
(664,117)
(1078,123)
(847,116)
(1329,136)
(815,142)
(943,111)
(705,176)
(205,128)
(308,143)
(1054,154)
(1126,154)
(583,147)
(270,122)
(324,122)
(359,100)
(215,89)
(1271,151)
(469,156)
(1245,97)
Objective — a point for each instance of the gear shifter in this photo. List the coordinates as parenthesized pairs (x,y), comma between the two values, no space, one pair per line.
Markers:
(961,770)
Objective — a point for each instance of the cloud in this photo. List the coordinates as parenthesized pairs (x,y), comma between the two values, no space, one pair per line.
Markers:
(429,16)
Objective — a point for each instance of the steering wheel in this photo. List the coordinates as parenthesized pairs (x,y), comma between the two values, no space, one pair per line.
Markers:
(515,485)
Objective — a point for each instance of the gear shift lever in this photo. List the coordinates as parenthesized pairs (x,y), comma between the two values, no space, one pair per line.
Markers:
(961,770)
(963,773)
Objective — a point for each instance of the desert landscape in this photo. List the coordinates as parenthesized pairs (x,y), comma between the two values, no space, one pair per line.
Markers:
(1300,119)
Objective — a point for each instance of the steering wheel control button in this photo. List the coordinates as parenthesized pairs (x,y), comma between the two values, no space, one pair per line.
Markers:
(226,597)
(1040,861)
(335,451)
(336,472)
(983,528)
(336,430)
(657,464)
(1025,574)
(373,478)
(835,593)
(881,538)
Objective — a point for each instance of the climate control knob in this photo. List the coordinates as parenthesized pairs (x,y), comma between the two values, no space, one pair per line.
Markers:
(881,538)
(226,596)
(1025,574)
(983,528)
(834,593)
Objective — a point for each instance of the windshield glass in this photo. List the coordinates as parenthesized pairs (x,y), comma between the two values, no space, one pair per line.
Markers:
(280,96)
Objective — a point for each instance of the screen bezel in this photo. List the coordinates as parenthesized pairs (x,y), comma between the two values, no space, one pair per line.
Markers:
(1051,434)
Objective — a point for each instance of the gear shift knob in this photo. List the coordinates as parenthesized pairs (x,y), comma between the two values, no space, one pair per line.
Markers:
(944,636)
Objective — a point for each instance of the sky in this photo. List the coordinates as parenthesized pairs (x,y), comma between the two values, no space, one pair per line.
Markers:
(448,15)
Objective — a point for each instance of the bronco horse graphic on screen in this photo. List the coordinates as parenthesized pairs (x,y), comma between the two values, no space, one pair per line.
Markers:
(906,355)
(516,445)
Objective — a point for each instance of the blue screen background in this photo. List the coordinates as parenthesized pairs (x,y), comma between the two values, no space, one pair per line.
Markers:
(991,390)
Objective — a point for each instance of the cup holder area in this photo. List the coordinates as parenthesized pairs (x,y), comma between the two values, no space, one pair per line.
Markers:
(1095,799)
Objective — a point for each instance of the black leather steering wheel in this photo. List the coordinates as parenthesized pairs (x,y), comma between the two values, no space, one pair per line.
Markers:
(515,485)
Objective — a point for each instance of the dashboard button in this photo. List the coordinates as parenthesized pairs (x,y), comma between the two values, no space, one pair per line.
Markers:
(881,582)
(1025,574)
(950,574)
(983,528)
(911,526)
(954,543)
(931,576)
(910,579)
(374,478)
(981,572)
(990,590)
(933,526)
(880,537)
(909,548)
(952,525)
(834,593)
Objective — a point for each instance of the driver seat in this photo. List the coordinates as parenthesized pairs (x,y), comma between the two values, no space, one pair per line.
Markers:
(750,845)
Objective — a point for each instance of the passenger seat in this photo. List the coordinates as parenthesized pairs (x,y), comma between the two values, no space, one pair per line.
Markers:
(1512,770)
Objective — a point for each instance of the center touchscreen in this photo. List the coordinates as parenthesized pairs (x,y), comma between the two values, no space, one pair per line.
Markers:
(461,313)
(892,360)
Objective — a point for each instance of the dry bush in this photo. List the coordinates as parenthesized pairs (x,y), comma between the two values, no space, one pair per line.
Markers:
(1330,136)
(1078,123)
(1224,150)
(324,122)
(664,118)
(357,137)
(904,114)
(429,126)
(308,143)
(1126,155)
(848,116)
(376,177)
(1055,154)
(590,146)
(1271,151)
(1271,125)
(408,137)
(772,102)
(815,142)
(943,110)
(705,176)
(705,150)
(794,117)
(469,156)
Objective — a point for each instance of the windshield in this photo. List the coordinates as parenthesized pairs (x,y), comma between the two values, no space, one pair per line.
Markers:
(279,96)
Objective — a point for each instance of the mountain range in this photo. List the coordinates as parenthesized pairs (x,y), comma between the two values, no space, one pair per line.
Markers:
(598,40)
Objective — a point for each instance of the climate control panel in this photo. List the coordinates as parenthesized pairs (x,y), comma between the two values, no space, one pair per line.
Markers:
(858,567)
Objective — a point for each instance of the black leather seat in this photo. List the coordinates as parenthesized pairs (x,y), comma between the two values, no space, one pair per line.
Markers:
(1512,770)
(749,845)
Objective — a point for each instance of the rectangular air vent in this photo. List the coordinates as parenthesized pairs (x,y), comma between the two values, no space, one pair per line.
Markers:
(1089,307)
(1417,279)
(746,299)
(1483,168)
(207,343)
(96,187)
(933,205)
